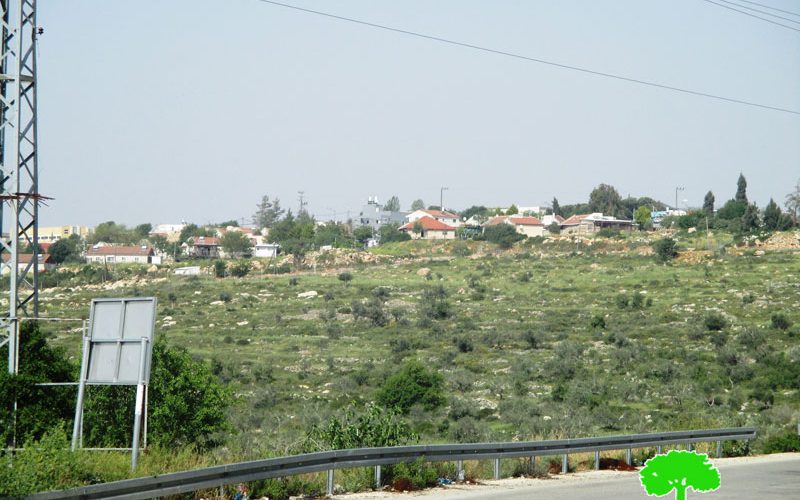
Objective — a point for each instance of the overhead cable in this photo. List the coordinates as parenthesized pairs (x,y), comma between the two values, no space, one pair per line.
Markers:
(533,59)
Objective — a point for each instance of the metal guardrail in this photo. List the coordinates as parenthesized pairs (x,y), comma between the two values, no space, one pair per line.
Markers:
(211,477)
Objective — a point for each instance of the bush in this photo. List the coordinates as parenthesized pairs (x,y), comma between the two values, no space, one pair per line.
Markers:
(413,384)
(779,321)
(345,277)
(714,321)
(46,464)
(461,249)
(463,344)
(374,426)
(225,297)
(219,268)
(241,268)
(598,322)
(665,249)
(434,303)
(622,301)
(188,405)
(504,235)
(787,442)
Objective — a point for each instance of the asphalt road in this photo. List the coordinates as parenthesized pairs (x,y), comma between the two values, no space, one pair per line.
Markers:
(761,478)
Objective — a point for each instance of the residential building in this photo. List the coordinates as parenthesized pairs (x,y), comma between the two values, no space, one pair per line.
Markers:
(444,217)
(528,226)
(428,228)
(112,254)
(24,260)
(267,250)
(372,214)
(171,232)
(203,247)
(52,234)
(592,223)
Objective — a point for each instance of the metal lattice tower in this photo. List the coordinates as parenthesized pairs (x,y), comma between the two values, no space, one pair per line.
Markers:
(19,183)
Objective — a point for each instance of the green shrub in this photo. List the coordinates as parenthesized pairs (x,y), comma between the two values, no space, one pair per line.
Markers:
(598,322)
(787,442)
(241,268)
(345,277)
(504,235)
(779,321)
(665,249)
(412,384)
(714,321)
(46,464)
(622,301)
(219,268)
(461,249)
(225,297)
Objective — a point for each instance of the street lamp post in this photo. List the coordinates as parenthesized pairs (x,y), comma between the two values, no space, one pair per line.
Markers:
(441,198)
(677,188)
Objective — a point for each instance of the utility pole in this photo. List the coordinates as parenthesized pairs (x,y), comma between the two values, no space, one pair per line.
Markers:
(441,198)
(301,198)
(676,196)
(19,171)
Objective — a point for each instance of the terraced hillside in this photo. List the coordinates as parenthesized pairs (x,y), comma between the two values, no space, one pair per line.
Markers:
(555,338)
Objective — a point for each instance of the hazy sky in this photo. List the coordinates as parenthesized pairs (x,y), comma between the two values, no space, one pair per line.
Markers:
(162,111)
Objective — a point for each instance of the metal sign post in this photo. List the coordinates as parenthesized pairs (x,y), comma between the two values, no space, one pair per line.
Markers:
(118,351)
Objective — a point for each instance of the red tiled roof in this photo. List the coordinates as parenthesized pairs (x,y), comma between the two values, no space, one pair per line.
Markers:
(441,215)
(525,221)
(575,219)
(204,241)
(428,224)
(25,258)
(496,220)
(120,250)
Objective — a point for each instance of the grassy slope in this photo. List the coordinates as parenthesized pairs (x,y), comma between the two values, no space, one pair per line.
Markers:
(295,361)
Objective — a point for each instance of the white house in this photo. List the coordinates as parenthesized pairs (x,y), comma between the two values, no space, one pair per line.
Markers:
(444,217)
(25,259)
(119,254)
(529,226)
(428,228)
(266,250)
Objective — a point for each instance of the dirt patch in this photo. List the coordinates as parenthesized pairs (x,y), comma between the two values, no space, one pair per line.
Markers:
(615,464)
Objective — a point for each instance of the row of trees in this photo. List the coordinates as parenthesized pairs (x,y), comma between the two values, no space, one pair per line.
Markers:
(738,215)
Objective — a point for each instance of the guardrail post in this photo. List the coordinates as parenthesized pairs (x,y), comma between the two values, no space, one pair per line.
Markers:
(330,483)
(659,449)
(719,449)
(533,464)
(460,470)
(377,477)
(628,458)
(597,460)
(496,469)
(564,464)
(689,447)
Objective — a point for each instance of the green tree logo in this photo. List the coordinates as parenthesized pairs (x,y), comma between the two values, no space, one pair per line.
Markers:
(679,471)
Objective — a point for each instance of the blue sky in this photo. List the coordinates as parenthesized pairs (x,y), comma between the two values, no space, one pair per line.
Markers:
(192,110)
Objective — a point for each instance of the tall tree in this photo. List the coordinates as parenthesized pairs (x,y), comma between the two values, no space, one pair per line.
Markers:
(512,210)
(793,202)
(605,198)
(741,189)
(268,213)
(392,204)
(643,216)
(750,220)
(417,204)
(236,244)
(556,206)
(708,204)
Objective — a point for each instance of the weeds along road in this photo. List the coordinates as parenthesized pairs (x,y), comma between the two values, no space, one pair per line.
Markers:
(765,478)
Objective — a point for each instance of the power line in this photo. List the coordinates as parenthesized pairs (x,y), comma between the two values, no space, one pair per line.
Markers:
(749,14)
(533,59)
(761,11)
(770,7)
